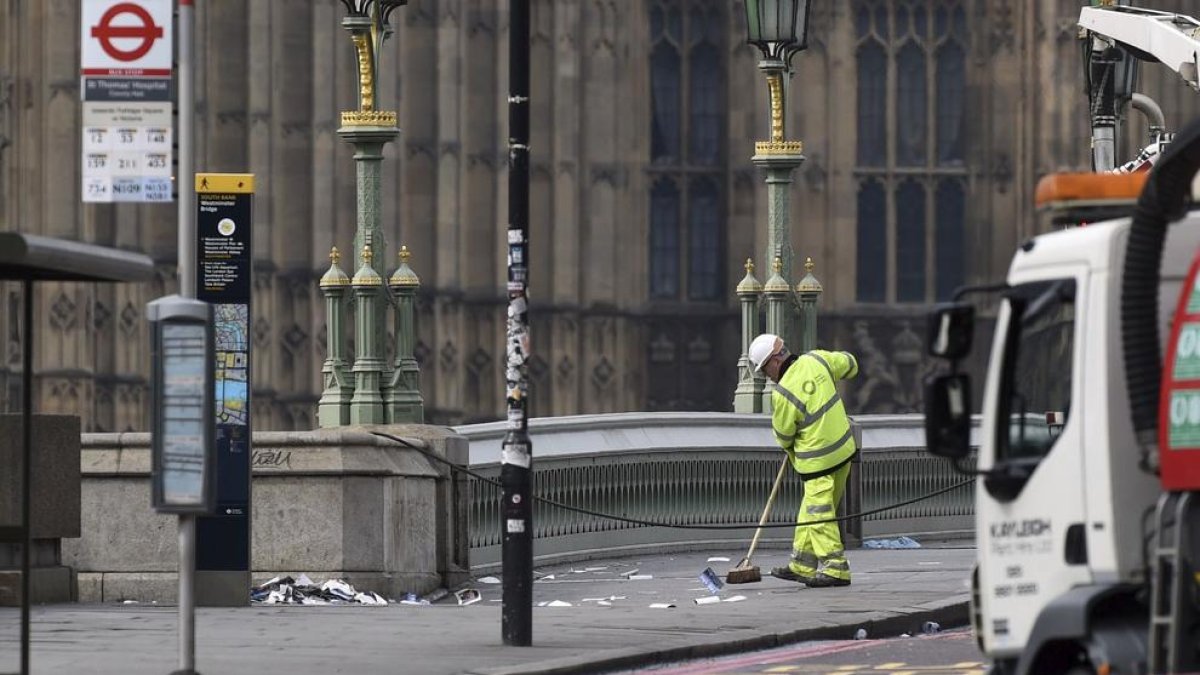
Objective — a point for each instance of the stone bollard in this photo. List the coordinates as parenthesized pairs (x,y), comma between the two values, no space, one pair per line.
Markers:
(747,398)
(333,410)
(405,404)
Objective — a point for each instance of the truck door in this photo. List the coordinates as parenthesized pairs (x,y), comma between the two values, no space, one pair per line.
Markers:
(1034,494)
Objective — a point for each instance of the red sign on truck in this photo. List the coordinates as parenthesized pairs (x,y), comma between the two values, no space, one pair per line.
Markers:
(1179,404)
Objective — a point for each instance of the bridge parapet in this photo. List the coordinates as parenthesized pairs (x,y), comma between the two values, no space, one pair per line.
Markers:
(693,468)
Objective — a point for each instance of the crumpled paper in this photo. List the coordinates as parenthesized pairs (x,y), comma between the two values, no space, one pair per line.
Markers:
(303,591)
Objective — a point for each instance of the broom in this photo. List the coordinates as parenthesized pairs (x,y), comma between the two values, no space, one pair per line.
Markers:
(744,572)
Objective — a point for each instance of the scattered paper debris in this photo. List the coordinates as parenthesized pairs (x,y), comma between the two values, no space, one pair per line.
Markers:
(718,558)
(662,605)
(548,577)
(734,598)
(131,602)
(707,600)
(304,591)
(711,581)
(604,603)
(468,596)
(555,603)
(630,572)
(897,543)
(595,569)
(640,577)
(412,599)
(492,580)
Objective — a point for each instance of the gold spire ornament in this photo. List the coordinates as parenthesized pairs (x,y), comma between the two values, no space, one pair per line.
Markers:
(334,277)
(749,284)
(777,284)
(809,284)
(404,276)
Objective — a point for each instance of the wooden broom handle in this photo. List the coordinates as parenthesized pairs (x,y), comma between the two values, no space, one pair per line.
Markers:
(767,510)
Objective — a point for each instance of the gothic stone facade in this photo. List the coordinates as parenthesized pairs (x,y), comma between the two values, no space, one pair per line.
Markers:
(926,126)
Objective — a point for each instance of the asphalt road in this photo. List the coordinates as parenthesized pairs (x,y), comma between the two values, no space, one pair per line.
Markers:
(950,653)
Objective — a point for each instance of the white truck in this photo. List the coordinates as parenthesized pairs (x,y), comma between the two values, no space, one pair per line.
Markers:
(1087,525)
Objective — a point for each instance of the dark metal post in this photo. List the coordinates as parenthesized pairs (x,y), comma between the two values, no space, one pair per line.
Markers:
(26,468)
(517,452)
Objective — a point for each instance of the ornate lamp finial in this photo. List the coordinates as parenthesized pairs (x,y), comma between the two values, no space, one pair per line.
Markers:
(366,254)
(777,266)
(335,256)
(404,255)
(808,265)
(749,266)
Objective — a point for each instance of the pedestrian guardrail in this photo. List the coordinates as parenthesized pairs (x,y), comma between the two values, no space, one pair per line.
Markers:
(699,469)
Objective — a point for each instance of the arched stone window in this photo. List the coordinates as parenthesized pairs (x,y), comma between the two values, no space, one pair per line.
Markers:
(911,170)
(687,155)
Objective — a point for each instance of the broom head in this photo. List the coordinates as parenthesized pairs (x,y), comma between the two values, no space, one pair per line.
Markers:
(744,573)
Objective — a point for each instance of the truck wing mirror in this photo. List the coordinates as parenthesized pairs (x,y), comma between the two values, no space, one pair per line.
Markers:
(948,416)
(950,330)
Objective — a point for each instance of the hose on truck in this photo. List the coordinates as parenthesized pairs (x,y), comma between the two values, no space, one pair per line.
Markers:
(1164,200)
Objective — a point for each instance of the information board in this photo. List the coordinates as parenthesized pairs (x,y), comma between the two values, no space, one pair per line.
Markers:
(223,278)
(127,153)
(1179,402)
(182,426)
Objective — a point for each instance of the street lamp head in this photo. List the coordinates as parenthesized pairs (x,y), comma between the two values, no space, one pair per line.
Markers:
(779,28)
(363,7)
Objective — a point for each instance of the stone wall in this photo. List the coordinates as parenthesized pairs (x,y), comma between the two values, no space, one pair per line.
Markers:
(340,503)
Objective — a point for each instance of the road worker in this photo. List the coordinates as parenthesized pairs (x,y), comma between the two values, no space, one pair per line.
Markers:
(810,423)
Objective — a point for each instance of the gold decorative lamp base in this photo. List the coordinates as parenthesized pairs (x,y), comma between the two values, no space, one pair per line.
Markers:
(369,118)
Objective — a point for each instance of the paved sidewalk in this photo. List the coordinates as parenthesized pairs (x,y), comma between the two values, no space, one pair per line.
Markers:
(894,591)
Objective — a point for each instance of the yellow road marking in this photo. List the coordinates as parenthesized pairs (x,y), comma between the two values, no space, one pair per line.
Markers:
(967,664)
(890,666)
(782,669)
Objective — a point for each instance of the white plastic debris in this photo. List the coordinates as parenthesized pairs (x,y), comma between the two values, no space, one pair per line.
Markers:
(554,603)
(640,577)
(467,596)
(630,572)
(604,603)
(707,600)
(131,602)
(303,580)
(489,580)
(718,558)
(370,599)
(734,598)
(860,634)
(595,569)
(662,605)
(339,588)
(931,627)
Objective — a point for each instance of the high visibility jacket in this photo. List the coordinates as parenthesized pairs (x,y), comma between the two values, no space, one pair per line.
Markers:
(808,414)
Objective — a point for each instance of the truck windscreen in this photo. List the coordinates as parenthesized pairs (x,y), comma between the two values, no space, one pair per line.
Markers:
(1035,394)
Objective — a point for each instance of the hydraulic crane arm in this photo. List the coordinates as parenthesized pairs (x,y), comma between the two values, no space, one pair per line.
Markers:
(1170,39)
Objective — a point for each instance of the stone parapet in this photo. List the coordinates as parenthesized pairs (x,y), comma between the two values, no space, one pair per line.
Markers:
(330,503)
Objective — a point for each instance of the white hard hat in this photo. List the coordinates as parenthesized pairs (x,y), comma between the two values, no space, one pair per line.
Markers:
(761,349)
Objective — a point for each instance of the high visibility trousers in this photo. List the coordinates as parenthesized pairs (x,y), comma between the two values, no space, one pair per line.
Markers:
(818,548)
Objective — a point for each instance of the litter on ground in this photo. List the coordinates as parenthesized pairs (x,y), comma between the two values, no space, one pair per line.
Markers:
(304,591)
